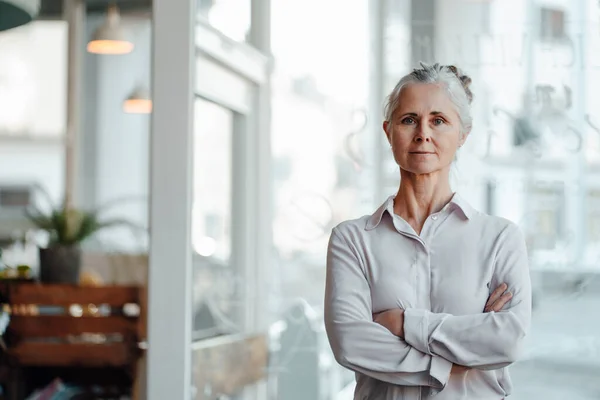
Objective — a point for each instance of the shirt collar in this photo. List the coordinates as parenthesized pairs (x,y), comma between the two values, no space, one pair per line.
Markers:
(388,206)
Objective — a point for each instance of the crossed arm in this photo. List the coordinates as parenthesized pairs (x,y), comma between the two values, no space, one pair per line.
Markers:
(417,347)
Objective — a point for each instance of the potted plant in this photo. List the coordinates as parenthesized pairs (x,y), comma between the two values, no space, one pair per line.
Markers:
(68,228)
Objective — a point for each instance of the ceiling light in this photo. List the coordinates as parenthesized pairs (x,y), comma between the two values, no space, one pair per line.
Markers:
(15,13)
(110,38)
(138,102)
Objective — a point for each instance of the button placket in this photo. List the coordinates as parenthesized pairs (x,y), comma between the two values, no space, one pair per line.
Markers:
(441,220)
(422,286)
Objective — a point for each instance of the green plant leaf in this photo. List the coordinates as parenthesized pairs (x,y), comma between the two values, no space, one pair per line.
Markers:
(89,225)
(73,226)
(37,218)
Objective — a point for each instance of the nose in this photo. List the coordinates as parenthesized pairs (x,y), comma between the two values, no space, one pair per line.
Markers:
(423,134)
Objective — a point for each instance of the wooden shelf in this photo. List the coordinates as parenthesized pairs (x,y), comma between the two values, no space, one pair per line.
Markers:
(65,295)
(57,326)
(73,354)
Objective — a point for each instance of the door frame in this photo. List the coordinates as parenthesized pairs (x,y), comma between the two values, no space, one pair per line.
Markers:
(179,39)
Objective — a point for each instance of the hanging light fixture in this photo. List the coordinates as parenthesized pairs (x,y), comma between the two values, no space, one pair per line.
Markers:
(110,38)
(15,13)
(138,102)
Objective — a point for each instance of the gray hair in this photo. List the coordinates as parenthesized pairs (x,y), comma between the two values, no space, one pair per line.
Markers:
(456,83)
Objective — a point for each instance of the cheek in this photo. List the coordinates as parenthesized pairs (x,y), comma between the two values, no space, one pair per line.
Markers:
(447,139)
(447,147)
(401,137)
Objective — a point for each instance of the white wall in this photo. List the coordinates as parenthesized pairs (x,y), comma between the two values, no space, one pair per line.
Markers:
(32,105)
(25,162)
(33,78)
(121,144)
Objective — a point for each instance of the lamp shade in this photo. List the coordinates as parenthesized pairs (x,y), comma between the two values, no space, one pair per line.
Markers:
(15,13)
(110,37)
(138,102)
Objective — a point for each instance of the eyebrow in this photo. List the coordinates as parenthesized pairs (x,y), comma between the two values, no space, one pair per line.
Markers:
(412,114)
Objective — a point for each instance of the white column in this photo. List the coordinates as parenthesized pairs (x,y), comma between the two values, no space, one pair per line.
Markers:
(259,159)
(74,13)
(169,303)
(373,140)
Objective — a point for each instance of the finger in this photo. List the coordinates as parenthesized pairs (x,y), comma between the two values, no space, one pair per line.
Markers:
(501,302)
(496,294)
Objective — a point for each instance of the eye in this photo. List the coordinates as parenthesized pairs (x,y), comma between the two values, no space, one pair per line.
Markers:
(438,121)
(408,121)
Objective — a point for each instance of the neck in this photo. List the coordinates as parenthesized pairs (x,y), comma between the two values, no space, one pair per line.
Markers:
(421,195)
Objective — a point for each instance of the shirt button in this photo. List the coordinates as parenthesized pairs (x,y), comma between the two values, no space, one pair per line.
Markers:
(434,217)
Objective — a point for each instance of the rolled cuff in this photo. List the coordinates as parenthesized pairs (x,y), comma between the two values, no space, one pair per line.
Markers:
(439,371)
(416,329)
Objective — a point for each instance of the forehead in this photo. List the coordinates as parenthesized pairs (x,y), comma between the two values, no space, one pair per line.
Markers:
(425,97)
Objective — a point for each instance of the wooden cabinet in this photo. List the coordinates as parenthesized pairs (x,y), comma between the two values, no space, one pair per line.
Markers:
(69,331)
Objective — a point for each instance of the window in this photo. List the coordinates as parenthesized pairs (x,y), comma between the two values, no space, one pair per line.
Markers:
(552,26)
(528,113)
(547,226)
(15,197)
(214,284)
(321,171)
(231,17)
(33,79)
(594,216)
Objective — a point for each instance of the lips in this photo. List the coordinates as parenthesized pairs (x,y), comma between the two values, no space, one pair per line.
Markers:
(420,152)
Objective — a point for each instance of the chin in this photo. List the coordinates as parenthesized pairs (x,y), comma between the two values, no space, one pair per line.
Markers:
(421,168)
(422,171)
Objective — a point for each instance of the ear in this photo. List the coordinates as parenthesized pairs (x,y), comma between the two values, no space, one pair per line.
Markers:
(386,124)
(463,138)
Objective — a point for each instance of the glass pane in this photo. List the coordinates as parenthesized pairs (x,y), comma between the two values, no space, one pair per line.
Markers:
(211,219)
(33,86)
(533,157)
(320,173)
(231,17)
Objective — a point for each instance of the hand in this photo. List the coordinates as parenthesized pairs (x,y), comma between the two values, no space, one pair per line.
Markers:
(393,320)
(498,299)
(496,302)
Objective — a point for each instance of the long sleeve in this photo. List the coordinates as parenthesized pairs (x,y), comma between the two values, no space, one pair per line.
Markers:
(487,340)
(360,344)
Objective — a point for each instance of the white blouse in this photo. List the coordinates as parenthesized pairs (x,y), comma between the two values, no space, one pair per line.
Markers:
(442,279)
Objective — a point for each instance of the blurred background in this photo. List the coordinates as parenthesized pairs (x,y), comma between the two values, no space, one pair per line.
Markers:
(170,174)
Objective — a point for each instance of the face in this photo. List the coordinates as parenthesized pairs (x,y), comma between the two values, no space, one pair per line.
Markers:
(425,129)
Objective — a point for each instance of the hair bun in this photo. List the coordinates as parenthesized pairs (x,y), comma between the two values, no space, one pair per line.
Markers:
(465,81)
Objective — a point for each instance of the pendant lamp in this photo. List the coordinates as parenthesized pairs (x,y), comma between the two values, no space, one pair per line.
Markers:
(138,102)
(15,13)
(110,37)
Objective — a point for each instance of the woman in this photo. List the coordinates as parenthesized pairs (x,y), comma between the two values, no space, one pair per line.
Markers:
(428,297)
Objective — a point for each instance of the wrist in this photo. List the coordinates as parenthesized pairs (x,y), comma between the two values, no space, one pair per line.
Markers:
(400,330)
(416,323)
